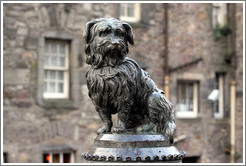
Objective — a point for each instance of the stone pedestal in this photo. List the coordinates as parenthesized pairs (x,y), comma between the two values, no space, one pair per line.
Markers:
(133,147)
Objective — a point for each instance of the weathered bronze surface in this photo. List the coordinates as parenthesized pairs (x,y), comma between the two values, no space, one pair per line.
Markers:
(118,85)
(133,147)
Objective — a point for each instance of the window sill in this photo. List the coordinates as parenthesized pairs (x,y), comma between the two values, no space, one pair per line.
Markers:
(189,119)
(136,25)
(186,115)
(218,116)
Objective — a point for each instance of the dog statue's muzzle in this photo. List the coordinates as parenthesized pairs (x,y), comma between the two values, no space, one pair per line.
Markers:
(112,47)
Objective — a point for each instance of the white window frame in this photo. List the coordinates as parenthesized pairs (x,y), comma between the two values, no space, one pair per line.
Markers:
(61,156)
(220,113)
(125,17)
(65,94)
(219,13)
(189,114)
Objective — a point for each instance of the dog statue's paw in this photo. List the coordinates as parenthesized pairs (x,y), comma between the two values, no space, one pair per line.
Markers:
(120,128)
(145,128)
(104,129)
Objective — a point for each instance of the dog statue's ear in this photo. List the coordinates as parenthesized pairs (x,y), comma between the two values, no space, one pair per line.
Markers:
(129,35)
(87,34)
(87,37)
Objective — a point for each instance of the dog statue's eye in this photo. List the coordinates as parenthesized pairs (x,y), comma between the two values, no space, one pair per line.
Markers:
(104,33)
(101,33)
(118,33)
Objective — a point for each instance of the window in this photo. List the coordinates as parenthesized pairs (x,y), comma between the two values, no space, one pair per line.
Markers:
(5,157)
(219,103)
(219,12)
(130,12)
(59,157)
(56,69)
(187,99)
(192,159)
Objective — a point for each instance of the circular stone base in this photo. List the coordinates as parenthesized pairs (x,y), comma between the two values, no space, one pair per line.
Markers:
(132,147)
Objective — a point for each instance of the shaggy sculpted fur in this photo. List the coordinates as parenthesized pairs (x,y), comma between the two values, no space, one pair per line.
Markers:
(118,85)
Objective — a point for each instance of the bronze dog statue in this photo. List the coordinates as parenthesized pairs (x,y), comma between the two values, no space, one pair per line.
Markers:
(118,85)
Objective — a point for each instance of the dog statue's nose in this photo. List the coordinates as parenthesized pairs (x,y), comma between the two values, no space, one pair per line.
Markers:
(115,41)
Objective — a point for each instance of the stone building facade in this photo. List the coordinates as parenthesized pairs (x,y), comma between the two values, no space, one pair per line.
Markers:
(36,125)
(202,59)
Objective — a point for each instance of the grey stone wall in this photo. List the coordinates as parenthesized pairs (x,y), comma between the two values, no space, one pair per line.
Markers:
(191,37)
(29,126)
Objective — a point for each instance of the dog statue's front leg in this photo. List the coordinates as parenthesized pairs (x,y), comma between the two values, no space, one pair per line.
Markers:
(106,118)
(121,126)
(123,116)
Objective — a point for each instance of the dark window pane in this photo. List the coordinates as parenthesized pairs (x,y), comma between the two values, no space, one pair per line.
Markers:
(62,61)
(56,158)
(54,48)
(60,75)
(52,87)
(46,48)
(66,157)
(52,74)
(183,94)
(46,74)
(121,10)
(194,159)
(130,11)
(62,48)
(60,87)
(46,158)
(45,87)
(53,61)
(46,60)
(5,157)
(190,91)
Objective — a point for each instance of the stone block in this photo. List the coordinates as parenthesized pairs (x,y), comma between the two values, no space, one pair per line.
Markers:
(13,13)
(87,6)
(15,76)
(10,32)
(23,104)
(11,43)
(20,40)
(23,31)
(31,43)
(31,14)
(19,24)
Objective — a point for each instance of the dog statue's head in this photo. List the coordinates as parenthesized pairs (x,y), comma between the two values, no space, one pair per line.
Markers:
(107,41)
